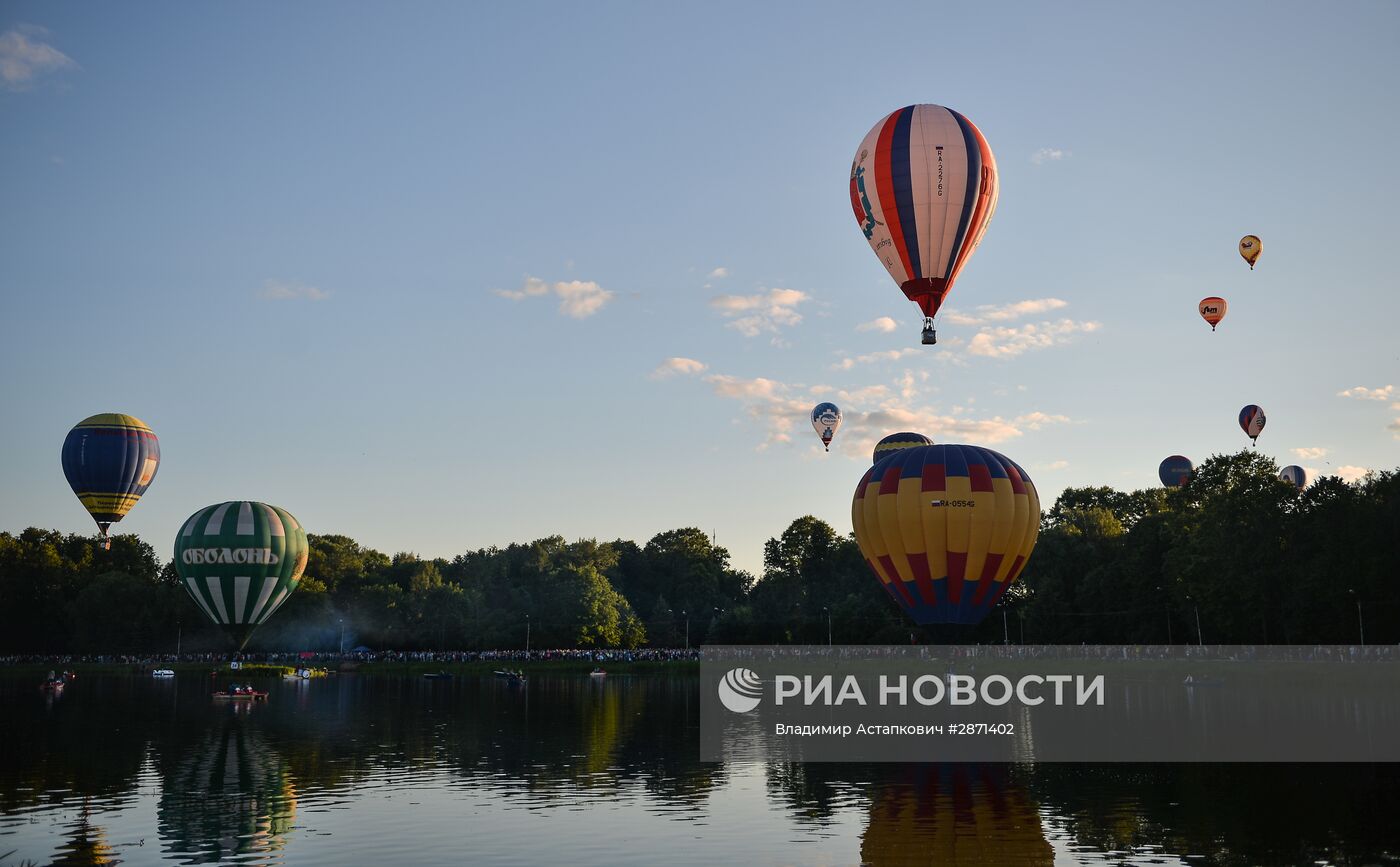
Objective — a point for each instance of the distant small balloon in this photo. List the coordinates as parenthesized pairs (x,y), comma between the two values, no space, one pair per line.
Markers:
(1295,476)
(896,441)
(826,421)
(1175,471)
(1250,248)
(1213,310)
(1252,422)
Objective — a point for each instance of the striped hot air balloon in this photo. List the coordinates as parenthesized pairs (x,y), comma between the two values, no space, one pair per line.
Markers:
(1295,476)
(946,529)
(240,561)
(923,188)
(110,460)
(896,441)
(1252,422)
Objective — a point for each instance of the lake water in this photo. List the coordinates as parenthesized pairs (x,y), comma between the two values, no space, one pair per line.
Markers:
(379,769)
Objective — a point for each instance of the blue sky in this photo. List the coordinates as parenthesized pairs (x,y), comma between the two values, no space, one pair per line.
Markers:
(414,272)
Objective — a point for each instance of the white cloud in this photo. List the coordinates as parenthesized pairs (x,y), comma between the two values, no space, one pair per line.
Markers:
(1350,473)
(719,273)
(884,325)
(1360,392)
(1056,465)
(675,365)
(1003,312)
(578,299)
(1004,342)
(23,59)
(1045,155)
(279,290)
(1310,453)
(873,357)
(1394,427)
(581,298)
(765,312)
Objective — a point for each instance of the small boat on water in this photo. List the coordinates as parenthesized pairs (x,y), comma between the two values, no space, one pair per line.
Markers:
(56,684)
(510,676)
(437,675)
(241,694)
(162,672)
(597,672)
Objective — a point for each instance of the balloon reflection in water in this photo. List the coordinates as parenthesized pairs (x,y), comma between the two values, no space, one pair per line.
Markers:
(960,815)
(230,794)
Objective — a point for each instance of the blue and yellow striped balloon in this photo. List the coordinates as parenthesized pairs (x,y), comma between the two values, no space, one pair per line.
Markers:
(946,529)
(110,460)
(896,441)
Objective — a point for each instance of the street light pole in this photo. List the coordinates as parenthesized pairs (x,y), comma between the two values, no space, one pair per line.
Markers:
(828,625)
(1005,631)
(1360,623)
(1200,642)
(527,635)
(687,629)
(342,635)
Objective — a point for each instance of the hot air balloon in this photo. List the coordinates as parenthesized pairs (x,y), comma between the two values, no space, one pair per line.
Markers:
(896,441)
(946,529)
(1295,476)
(1250,248)
(1252,422)
(1213,310)
(924,188)
(826,421)
(1175,471)
(110,460)
(240,561)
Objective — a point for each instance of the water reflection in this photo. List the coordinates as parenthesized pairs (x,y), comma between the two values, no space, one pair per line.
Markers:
(227,794)
(474,769)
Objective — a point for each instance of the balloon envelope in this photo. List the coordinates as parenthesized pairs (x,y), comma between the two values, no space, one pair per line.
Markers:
(240,561)
(1252,421)
(1250,248)
(1294,475)
(110,460)
(946,529)
(1175,471)
(826,420)
(1212,310)
(923,188)
(896,441)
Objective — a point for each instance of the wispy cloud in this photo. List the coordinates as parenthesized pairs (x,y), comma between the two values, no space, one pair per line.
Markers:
(1050,155)
(1004,342)
(281,290)
(1056,465)
(1350,473)
(578,299)
(884,325)
(1003,312)
(1361,392)
(870,412)
(873,357)
(719,273)
(24,57)
(769,311)
(678,366)
(1394,428)
(1310,453)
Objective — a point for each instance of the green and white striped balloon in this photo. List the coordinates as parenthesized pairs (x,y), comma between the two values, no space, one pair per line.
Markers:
(240,561)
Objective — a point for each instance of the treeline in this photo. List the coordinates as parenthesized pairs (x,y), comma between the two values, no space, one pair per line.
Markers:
(1239,552)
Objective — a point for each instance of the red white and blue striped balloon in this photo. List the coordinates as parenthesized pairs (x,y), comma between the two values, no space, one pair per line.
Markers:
(924,188)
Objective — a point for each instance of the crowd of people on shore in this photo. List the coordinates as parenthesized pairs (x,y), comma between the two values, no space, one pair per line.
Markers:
(364,655)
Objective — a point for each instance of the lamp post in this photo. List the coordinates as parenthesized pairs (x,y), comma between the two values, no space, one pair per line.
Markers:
(342,635)
(686,615)
(1360,623)
(527,636)
(1200,642)
(827,612)
(1005,630)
